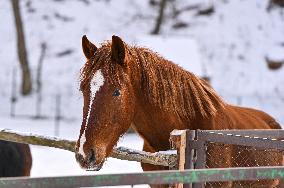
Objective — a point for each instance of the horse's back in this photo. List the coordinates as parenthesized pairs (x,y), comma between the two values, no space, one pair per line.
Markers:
(249,118)
(15,159)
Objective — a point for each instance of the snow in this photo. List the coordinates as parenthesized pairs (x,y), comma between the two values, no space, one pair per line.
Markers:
(56,162)
(168,152)
(187,55)
(178,132)
(276,52)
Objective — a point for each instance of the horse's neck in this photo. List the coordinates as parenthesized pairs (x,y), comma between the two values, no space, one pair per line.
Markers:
(153,122)
(155,125)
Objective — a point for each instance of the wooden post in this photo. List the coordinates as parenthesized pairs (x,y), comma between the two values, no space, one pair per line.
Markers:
(200,158)
(190,149)
(179,140)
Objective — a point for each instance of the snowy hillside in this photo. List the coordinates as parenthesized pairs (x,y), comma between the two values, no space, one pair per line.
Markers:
(232,42)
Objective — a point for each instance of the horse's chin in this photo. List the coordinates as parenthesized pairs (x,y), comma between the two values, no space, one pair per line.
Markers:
(93,167)
(90,165)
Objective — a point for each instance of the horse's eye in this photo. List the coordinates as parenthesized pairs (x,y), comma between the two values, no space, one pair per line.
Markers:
(116,93)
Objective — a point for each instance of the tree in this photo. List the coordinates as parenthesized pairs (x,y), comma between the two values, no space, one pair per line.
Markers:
(26,87)
(160,17)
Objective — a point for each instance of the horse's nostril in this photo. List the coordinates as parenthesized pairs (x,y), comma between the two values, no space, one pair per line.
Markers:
(79,157)
(92,155)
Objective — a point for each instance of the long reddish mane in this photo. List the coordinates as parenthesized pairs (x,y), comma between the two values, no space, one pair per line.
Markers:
(164,83)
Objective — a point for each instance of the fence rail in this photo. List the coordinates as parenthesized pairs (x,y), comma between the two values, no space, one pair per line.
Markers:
(192,162)
(156,177)
(203,149)
(159,158)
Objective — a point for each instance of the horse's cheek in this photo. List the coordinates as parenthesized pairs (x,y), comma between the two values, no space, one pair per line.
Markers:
(114,118)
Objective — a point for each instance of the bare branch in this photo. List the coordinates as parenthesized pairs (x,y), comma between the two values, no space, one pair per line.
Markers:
(160,17)
(167,158)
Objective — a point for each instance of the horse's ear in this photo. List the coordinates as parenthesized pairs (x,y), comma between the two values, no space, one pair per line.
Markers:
(88,48)
(118,50)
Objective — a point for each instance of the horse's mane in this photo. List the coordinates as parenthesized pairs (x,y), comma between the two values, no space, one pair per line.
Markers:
(164,83)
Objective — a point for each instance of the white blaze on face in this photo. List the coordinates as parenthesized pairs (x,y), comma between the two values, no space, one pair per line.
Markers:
(96,83)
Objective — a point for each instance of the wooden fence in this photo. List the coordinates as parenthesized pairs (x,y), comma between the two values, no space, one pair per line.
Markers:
(192,146)
(188,170)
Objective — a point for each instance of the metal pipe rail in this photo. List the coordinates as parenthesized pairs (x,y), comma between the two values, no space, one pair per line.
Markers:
(155,177)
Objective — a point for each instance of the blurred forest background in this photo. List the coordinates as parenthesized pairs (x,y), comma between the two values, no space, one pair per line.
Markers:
(237,45)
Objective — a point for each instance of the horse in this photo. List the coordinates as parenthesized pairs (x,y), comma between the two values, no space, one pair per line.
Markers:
(128,86)
(15,159)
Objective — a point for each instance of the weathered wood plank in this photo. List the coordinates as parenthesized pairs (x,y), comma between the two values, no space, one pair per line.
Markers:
(159,158)
(178,142)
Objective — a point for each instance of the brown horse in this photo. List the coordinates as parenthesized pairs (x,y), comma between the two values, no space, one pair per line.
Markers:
(15,159)
(127,86)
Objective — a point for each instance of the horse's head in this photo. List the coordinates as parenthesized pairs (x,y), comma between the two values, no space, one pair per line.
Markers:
(108,101)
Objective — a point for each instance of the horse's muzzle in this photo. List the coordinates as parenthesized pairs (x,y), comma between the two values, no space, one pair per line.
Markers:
(89,162)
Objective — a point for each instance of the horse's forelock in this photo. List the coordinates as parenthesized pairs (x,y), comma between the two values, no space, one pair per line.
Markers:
(100,60)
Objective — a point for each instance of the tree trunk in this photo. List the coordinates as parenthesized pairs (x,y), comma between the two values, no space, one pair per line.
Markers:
(160,17)
(22,53)
(39,79)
